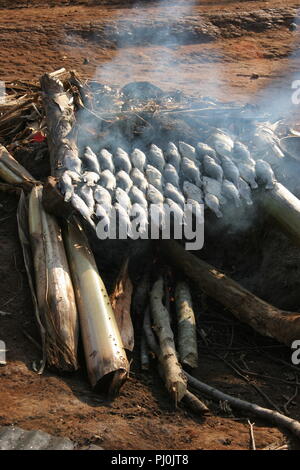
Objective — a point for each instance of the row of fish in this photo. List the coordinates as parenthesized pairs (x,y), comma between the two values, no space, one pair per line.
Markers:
(210,173)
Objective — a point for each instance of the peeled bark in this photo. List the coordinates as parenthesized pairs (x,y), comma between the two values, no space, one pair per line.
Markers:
(187,336)
(261,316)
(106,360)
(173,374)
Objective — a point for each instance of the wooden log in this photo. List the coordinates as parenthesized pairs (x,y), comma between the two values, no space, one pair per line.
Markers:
(173,374)
(261,316)
(187,336)
(121,303)
(281,204)
(60,118)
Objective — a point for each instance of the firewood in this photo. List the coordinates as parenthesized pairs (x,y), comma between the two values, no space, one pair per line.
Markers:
(174,377)
(121,303)
(260,315)
(187,336)
(264,413)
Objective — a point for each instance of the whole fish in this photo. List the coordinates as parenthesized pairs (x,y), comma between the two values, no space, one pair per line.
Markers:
(66,186)
(156,157)
(212,168)
(204,149)
(190,171)
(241,152)
(212,186)
(265,173)
(91,161)
(122,161)
(173,156)
(108,180)
(187,151)
(138,197)
(91,178)
(230,191)
(105,159)
(176,210)
(154,196)
(122,198)
(72,163)
(138,159)
(230,171)
(123,180)
(82,208)
(73,175)
(195,207)
(140,215)
(247,172)
(157,214)
(103,197)
(212,202)
(123,219)
(192,192)
(104,216)
(139,179)
(221,142)
(245,191)
(173,193)
(170,175)
(154,177)
(87,195)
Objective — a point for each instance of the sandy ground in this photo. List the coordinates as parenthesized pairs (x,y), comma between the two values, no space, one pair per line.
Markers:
(219,61)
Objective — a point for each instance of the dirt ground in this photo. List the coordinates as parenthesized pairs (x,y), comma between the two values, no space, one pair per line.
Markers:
(212,49)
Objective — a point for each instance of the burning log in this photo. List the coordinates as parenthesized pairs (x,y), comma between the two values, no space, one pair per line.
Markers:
(106,360)
(261,316)
(281,204)
(60,122)
(173,374)
(54,290)
(12,171)
(187,336)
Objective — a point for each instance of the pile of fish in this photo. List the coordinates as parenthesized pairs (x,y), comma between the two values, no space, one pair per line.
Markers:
(216,173)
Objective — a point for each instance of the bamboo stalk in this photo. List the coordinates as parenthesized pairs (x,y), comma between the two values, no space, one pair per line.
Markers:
(106,360)
(54,290)
(174,377)
(187,336)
